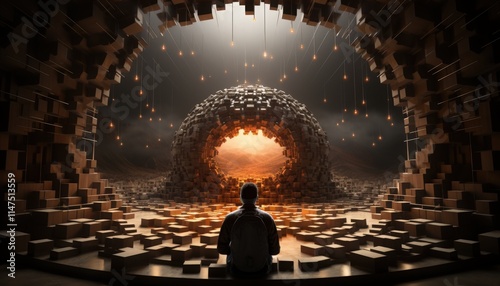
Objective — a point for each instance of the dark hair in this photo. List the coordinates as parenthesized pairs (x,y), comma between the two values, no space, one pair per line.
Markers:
(249,192)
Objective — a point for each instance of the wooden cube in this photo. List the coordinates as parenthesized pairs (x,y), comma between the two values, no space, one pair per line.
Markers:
(466,247)
(40,247)
(285,264)
(209,238)
(182,238)
(311,249)
(369,261)
(191,267)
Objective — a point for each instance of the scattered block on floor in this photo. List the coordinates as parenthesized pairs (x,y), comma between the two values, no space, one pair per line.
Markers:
(198,249)
(466,247)
(209,238)
(177,228)
(163,221)
(439,230)
(155,230)
(308,264)
(40,247)
(444,253)
(335,221)
(390,241)
(285,264)
(191,267)
(156,250)
(419,246)
(490,241)
(369,261)
(323,239)
(415,229)
(147,221)
(306,235)
(390,253)
(403,234)
(86,244)
(211,252)
(181,254)
(311,249)
(90,228)
(129,257)
(121,241)
(350,244)
(143,236)
(102,234)
(335,251)
(182,238)
(201,229)
(68,230)
(167,247)
(217,270)
(165,234)
(64,252)
(360,222)
(292,230)
(152,241)
(435,242)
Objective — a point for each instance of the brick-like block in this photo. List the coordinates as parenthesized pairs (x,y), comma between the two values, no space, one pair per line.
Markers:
(444,253)
(369,261)
(335,221)
(285,264)
(217,270)
(209,238)
(439,230)
(102,234)
(389,241)
(152,241)
(323,239)
(61,253)
(467,247)
(349,243)
(306,235)
(390,253)
(181,254)
(40,247)
(177,228)
(360,222)
(90,228)
(121,241)
(420,247)
(182,238)
(335,251)
(415,229)
(85,244)
(198,249)
(308,264)
(47,217)
(490,241)
(68,230)
(211,252)
(129,257)
(311,249)
(191,267)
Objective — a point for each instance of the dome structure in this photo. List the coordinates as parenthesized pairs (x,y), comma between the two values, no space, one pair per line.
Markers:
(304,177)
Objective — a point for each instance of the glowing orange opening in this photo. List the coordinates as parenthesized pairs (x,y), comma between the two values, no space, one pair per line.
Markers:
(250,156)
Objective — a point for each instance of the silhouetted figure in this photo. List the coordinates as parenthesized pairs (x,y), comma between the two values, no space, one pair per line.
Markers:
(249,237)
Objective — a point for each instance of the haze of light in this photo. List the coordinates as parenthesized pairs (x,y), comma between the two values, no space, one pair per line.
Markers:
(250,156)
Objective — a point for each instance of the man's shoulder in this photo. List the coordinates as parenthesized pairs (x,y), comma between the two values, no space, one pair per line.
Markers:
(264,214)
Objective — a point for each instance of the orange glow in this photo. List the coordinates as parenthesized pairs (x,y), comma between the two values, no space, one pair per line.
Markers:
(163,47)
(250,155)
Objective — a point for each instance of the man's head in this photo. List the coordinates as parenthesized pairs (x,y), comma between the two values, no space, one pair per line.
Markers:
(248,193)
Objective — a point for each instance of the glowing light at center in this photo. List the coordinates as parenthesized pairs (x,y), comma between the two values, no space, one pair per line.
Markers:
(245,156)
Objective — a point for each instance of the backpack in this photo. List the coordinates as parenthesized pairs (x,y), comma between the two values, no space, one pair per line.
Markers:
(249,245)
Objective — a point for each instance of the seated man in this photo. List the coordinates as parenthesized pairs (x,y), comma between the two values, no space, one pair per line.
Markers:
(249,237)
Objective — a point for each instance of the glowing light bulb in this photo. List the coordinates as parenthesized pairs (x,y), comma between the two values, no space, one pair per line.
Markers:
(380,137)
(153,109)
(291,30)
(284,76)
(353,135)
(147,146)
(345,77)
(245,81)
(225,71)
(345,109)
(338,124)
(140,91)
(314,57)
(163,47)
(343,139)
(111,125)
(373,144)
(150,119)
(392,123)
(343,120)
(136,77)
(192,53)
(121,143)
(335,47)
(296,68)
(202,78)
(388,117)
(171,125)
(281,80)
(147,105)
(253,20)
(363,102)
(246,65)
(324,100)
(232,44)
(253,65)
(301,46)
(264,54)
(258,80)
(159,118)
(118,137)
(140,116)
(272,58)
(180,53)
(366,115)
(367,79)
(355,112)
(159,139)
